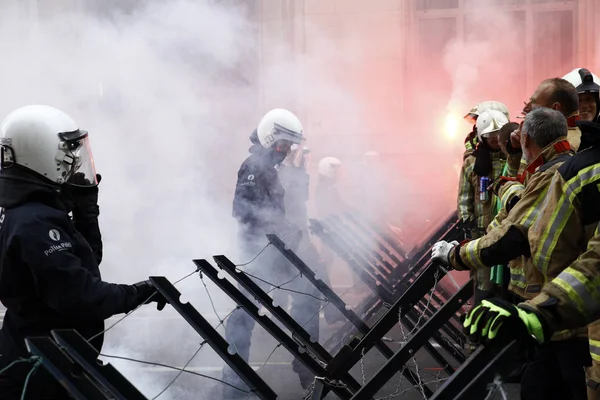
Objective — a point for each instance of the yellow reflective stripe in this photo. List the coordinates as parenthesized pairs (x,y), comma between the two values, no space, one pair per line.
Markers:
(494,224)
(561,213)
(466,198)
(517,277)
(595,349)
(512,190)
(573,297)
(479,212)
(472,254)
(582,292)
(534,210)
(596,232)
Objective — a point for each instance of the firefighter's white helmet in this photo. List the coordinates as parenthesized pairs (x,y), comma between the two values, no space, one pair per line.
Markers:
(489,123)
(329,167)
(583,80)
(47,141)
(279,124)
(479,108)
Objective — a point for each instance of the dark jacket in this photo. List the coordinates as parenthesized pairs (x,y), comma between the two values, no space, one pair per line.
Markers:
(49,275)
(258,203)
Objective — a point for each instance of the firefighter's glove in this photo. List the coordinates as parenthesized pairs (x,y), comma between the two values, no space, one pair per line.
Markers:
(484,322)
(84,198)
(440,252)
(147,293)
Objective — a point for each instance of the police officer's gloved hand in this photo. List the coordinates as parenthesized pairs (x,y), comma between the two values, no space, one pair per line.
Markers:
(496,318)
(147,293)
(84,198)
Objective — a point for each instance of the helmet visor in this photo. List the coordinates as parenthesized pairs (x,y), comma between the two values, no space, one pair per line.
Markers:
(298,156)
(491,134)
(471,118)
(281,133)
(83,170)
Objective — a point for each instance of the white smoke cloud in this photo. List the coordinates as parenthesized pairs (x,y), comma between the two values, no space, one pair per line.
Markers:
(485,63)
(169,91)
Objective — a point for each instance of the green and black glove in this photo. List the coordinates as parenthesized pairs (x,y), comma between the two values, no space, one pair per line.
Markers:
(484,323)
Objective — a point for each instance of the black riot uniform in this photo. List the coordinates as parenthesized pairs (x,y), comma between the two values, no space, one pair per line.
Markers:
(258,203)
(49,275)
(259,207)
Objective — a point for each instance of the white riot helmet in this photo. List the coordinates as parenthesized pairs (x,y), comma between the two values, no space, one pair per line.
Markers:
(47,141)
(489,123)
(479,108)
(279,124)
(329,167)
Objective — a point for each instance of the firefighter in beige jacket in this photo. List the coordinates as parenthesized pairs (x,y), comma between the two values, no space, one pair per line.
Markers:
(476,207)
(510,242)
(557,237)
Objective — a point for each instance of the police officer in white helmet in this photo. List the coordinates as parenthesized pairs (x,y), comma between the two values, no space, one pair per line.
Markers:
(49,275)
(259,208)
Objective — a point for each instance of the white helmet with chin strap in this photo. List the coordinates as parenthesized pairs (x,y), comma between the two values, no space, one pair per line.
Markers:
(585,82)
(329,167)
(279,124)
(479,108)
(47,141)
(489,123)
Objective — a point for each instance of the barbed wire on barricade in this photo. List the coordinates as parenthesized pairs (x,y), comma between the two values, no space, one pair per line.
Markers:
(278,345)
(405,336)
(157,364)
(497,385)
(181,371)
(138,307)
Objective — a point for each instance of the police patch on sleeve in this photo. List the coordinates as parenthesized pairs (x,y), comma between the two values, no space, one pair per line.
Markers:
(58,244)
(54,235)
(249,181)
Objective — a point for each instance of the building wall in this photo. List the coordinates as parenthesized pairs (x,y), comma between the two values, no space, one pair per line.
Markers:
(396,76)
(393,43)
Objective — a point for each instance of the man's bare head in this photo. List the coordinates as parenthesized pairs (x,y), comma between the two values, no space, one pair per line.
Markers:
(556,93)
(504,135)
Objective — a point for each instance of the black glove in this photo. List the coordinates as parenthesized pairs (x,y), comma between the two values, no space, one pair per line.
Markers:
(147,294)
(84,198)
